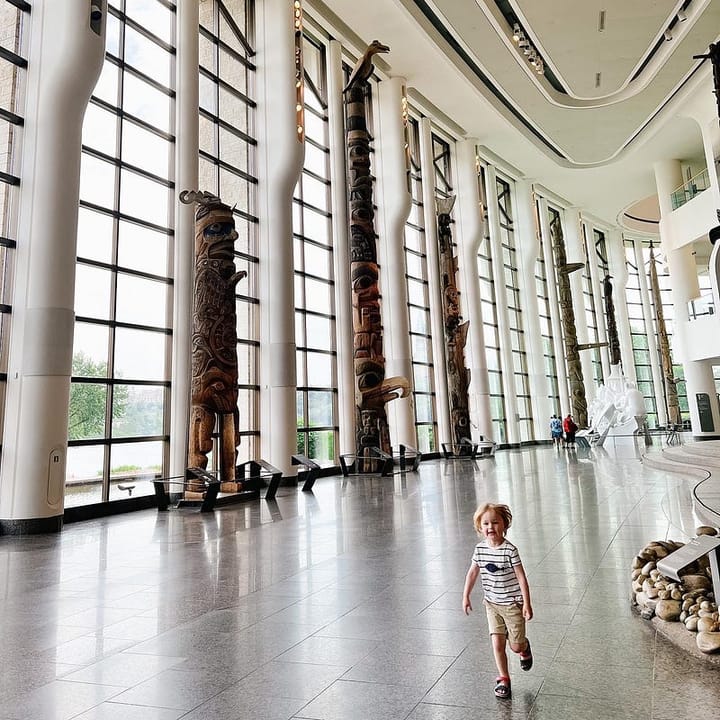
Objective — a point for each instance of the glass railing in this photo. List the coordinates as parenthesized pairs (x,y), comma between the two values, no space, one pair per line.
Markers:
(701,306)
(688,190)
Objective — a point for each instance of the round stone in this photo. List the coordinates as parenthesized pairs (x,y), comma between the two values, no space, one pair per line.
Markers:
(668,610)
(708,642)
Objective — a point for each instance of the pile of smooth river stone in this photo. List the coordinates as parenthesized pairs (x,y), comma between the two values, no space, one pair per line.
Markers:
(690,601)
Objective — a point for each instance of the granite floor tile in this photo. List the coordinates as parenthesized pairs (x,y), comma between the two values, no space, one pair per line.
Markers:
(57,700)
(346,700)
(400,668)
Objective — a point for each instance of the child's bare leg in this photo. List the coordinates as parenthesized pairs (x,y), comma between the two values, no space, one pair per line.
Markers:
(498,643)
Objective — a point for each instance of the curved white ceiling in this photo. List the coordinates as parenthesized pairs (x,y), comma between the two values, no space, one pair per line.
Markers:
(477,39)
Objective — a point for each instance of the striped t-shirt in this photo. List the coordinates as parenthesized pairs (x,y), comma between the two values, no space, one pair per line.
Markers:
(497,572)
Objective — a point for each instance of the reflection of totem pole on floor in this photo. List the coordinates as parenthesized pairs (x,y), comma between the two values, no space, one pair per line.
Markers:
(671,396)
(372,389)
(455,332)
(612,333)
(572,349)
(214,383)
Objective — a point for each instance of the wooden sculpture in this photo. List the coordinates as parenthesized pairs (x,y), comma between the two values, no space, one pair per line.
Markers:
(214,382)
(455,331)
(671,396)
(372,389)
(567,313)
(612,333)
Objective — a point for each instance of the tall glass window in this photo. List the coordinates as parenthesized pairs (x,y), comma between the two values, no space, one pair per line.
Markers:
(592,305)
(639,333)
(314,282)
(226,167)
(14,19)
(119,390)
(543,291)
(490,327)
(419,303)
(521,376)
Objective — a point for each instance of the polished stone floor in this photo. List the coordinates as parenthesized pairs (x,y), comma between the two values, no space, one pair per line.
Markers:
(345,604)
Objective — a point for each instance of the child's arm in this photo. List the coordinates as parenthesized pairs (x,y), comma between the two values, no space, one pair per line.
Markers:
(470,579)
(525,590)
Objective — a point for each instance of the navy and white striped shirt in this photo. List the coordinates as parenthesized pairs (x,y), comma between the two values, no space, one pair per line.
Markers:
(497,572)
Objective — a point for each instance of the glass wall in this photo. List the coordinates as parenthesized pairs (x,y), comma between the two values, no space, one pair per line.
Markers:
(227,169)
(521,377)
(490,327)
(593,306)
(314,281)
(14,22)
(419,303)
(119,391)
(544,290)
(639,333)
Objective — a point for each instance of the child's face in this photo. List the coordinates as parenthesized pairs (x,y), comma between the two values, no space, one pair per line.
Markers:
(492,526)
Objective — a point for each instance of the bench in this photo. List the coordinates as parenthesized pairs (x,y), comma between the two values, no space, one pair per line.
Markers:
(405,453)
(309,475)
(373,460)
(466,448)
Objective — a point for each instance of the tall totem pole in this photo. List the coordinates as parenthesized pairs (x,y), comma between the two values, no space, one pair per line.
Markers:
(214,382)
(372,389)
(671,396)
(567,313)
(455,331)
(612,333)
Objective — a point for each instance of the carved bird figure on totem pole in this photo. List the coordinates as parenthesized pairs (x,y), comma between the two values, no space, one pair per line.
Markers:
(364,67)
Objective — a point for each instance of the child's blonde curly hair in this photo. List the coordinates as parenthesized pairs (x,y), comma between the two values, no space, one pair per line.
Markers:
(502,510)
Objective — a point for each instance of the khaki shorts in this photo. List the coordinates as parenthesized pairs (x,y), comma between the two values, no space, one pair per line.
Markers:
(506,620)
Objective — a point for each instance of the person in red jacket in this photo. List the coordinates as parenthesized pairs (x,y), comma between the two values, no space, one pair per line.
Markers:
(570,429)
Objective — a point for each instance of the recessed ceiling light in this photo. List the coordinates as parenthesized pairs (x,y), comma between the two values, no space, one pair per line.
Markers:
(668,35)
(681,16)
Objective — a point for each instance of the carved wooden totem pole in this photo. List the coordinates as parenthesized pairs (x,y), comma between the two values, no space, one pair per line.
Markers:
(214,392)
(671,396)
(372,389)
(567,313)
(612,333)
(455,331)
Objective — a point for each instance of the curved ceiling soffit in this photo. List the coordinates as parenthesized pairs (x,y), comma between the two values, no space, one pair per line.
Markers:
(436,24)
(650,63)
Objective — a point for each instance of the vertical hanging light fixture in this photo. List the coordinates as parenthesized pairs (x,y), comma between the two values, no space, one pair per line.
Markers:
(299,72)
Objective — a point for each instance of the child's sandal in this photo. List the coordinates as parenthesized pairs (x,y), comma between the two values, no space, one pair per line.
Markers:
(526,658)
(502,687)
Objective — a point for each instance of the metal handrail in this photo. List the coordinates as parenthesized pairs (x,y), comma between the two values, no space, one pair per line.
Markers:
(689,189)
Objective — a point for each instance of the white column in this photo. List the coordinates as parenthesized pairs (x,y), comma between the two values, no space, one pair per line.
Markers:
(341,254)
(437,325)
(280,158)
(186,176)
(683,272)
(471,224)
(619,274)
(66,54)
(598,298)
(658,383)
(527,241)
(394,201)
(575,253)
(501,309)
(555,319)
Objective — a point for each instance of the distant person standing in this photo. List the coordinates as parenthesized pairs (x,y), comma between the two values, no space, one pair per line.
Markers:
(570,429)
(556,430)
